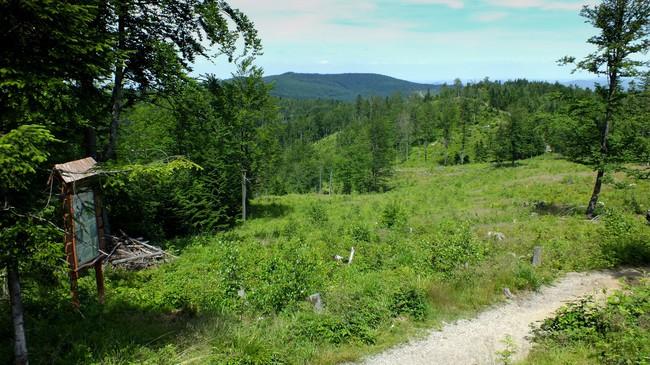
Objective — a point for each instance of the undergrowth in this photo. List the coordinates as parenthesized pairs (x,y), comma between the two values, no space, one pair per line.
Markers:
(616,333)
(422,255)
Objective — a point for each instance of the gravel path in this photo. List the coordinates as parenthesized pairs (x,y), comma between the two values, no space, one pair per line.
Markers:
(477,340)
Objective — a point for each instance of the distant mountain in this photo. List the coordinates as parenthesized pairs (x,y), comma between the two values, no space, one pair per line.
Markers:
(590,84)
(342,86)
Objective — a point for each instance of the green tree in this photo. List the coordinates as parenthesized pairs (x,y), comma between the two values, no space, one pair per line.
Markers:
(155,42)
(45,53)
(624,27)
(517,138)
(449,116)
(246,108)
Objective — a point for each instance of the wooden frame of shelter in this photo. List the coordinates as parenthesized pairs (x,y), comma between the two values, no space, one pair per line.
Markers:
(83,217)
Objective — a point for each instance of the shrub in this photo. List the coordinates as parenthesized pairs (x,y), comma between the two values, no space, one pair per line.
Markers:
(393,216)
(618,332)
(526,277)
(359,233)
(624,240)
(317,214)
(289,274)
(456,247)
(409,301)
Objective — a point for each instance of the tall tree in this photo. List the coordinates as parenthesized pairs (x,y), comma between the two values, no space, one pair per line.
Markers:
(155,42)
(45,52)
(624,27)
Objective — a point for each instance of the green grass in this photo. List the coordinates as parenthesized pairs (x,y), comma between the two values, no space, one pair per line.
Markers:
(586,332)
(422,256)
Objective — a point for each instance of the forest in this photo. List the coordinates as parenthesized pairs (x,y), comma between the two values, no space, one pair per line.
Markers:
(255,193)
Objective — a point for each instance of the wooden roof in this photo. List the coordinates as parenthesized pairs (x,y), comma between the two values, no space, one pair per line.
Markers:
(76,170)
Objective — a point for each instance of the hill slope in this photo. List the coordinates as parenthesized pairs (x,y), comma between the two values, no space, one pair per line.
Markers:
(341,86)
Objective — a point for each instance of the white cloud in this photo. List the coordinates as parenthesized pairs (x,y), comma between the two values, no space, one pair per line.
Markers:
(454,4)
(541,4)
(490,16)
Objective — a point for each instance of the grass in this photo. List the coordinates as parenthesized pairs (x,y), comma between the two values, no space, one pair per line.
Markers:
(586,332)
(423,255)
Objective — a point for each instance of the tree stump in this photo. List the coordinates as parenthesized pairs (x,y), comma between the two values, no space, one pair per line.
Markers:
(537,256)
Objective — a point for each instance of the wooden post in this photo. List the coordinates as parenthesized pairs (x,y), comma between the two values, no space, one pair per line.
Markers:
(71,255)
(101,235)
(320,180)
(331,187)
(351,256)
(243,195)
(99,279)
(537,256)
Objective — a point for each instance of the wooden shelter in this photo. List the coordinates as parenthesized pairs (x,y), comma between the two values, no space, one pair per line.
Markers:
(85,243)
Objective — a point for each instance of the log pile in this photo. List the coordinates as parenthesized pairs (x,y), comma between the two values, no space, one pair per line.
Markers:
(135,253)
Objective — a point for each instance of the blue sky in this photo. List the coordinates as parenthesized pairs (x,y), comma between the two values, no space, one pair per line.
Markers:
(417,40)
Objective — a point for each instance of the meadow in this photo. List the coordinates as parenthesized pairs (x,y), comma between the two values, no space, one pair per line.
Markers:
(424,254)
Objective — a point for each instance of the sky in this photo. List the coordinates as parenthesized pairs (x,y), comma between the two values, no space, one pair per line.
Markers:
(417,40)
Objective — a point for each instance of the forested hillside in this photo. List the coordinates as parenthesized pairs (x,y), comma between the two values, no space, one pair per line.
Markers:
(342,86)
(398,205)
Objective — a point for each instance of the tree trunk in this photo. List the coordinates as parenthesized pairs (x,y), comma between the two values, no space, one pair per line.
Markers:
(426,147)
(89,97)
(604,148)
(594,196)
(331,179)
(90,142)
(117,95)
(446,151)
(20,341)
(463,142)
(244,198)
(320,180)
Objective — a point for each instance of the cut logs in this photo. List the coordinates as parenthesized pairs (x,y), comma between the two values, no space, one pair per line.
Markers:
(135,253)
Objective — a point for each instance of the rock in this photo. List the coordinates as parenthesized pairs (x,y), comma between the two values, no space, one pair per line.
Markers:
(496,236)
(317,301)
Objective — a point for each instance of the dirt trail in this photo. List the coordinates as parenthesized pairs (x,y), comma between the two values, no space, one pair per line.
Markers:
(476,341)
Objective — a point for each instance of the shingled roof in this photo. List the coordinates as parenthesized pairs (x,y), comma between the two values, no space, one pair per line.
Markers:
(74,171)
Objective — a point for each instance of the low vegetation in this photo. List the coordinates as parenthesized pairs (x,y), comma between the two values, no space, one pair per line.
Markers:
(587,332)
(422,255)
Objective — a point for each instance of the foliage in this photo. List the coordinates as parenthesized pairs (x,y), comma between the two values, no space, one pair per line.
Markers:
(624,28)
(240,295)
(625,240)
(456,247)
(617,332)
(21,150)
(409,301)
(508,352)
(393,215)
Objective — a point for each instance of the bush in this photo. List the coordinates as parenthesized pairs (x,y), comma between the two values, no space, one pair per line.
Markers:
(618,333)
(393,216)
(625,241)
(332,329)
(526,278)
(409,301)
(455,248)
(289,274)
(317,214)
(359,233)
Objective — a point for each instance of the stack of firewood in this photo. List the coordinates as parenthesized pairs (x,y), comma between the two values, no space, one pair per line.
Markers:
(135,253)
